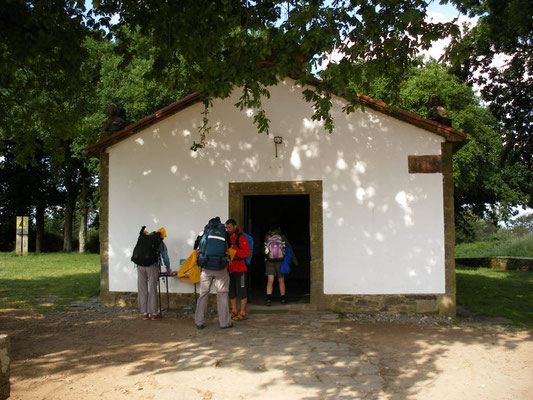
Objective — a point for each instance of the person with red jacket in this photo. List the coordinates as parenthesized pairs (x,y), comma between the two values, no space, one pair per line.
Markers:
(238,270)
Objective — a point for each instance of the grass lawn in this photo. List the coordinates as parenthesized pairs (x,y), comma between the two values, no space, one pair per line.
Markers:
(494,293)
(54,280)
(49,280)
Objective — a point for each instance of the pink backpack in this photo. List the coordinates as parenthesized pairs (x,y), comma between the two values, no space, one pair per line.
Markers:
(275,247)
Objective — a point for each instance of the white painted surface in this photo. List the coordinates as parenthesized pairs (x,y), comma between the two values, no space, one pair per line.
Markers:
(383,227)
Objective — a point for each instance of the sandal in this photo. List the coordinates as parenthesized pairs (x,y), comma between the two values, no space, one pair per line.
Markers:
(239,317)
(233,314)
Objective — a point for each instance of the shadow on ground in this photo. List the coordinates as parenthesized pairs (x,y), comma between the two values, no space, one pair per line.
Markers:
(299,354)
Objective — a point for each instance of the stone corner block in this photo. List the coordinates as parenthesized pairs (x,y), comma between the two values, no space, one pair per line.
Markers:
(5,361)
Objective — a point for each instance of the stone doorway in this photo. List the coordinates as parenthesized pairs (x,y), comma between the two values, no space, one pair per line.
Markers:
(247,197)
(291,214)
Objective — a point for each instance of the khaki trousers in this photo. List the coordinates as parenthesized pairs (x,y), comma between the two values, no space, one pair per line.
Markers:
(147,279)
(221,278)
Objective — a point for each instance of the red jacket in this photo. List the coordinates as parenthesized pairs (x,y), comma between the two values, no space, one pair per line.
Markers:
(243,251)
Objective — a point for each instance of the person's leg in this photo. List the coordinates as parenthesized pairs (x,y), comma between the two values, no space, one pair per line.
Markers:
(244,302)
(142,289)
(282,290)
(201,305)
(243,292)
(270,271)
(153,299)
(270,284)
(281,281)
(233,293)
(222,287)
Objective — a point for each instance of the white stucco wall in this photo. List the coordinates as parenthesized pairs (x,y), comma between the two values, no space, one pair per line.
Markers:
(383,227)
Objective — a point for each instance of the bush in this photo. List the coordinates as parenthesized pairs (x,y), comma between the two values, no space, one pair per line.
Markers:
(504,243)
(52,243)
(93,242)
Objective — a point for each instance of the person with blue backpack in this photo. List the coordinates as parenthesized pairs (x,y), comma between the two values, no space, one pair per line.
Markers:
(240,242)
(212,259)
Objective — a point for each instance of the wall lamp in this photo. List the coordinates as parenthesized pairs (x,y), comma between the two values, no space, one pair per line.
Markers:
(277,140)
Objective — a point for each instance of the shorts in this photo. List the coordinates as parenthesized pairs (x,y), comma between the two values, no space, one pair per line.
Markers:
(273,268)
(238,285)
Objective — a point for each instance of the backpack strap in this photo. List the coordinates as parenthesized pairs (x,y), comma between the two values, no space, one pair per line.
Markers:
(237,238)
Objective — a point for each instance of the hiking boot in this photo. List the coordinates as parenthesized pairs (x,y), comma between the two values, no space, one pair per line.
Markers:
(145,316)
(202,326)
(268,302)
(283,300)
(155,317)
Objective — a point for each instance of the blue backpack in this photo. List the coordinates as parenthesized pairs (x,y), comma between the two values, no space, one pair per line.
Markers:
(250,242)
(213,250)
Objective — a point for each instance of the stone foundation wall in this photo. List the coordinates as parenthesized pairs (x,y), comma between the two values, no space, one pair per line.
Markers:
(5,361)
(388,304)
(504,263)
(129,299)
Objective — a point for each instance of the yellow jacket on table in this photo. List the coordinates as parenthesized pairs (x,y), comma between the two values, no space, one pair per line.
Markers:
(189,270)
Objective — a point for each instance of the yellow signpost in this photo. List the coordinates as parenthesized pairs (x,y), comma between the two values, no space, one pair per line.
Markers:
(22,236)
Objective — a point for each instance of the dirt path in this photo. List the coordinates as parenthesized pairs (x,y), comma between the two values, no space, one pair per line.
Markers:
(110,354)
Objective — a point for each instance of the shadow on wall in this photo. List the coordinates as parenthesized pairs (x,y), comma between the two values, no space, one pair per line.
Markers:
(358,165)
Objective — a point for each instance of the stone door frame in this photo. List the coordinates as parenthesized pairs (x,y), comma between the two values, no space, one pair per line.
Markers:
(237,192)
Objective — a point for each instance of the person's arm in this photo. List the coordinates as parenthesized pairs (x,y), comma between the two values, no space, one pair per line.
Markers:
(243,249)
(164,255)
(197,241)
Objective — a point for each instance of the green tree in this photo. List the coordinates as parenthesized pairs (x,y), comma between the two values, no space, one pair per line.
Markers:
(504,31)
(54,94)
(41,53)
(486,183)
(25,191)
(132,86)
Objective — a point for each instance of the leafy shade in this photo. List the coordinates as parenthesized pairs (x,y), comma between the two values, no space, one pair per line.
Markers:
(252,45)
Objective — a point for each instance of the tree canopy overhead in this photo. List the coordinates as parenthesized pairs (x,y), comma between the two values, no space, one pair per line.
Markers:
(495,54)
(223,44)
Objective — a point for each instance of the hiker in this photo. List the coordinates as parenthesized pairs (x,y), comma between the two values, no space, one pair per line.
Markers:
(212,253)
(278,257)
(237,270)
(148,275)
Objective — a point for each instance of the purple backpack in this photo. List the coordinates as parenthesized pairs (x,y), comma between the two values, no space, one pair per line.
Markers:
(275,247)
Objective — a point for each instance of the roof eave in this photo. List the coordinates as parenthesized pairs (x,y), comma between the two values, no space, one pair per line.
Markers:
(159,115)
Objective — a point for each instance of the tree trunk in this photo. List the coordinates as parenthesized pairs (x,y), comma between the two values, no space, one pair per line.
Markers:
(84,211)
(69,215)
(39,229)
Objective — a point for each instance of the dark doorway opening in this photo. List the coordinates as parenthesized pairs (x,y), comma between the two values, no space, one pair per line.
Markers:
(291,213)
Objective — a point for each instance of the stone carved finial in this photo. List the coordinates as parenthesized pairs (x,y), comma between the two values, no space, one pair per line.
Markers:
(437,110)
(115,120)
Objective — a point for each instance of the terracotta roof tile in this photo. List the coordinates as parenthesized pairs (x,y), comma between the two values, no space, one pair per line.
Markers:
(447,132)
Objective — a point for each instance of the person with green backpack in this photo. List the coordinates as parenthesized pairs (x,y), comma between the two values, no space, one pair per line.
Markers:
(212,259)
